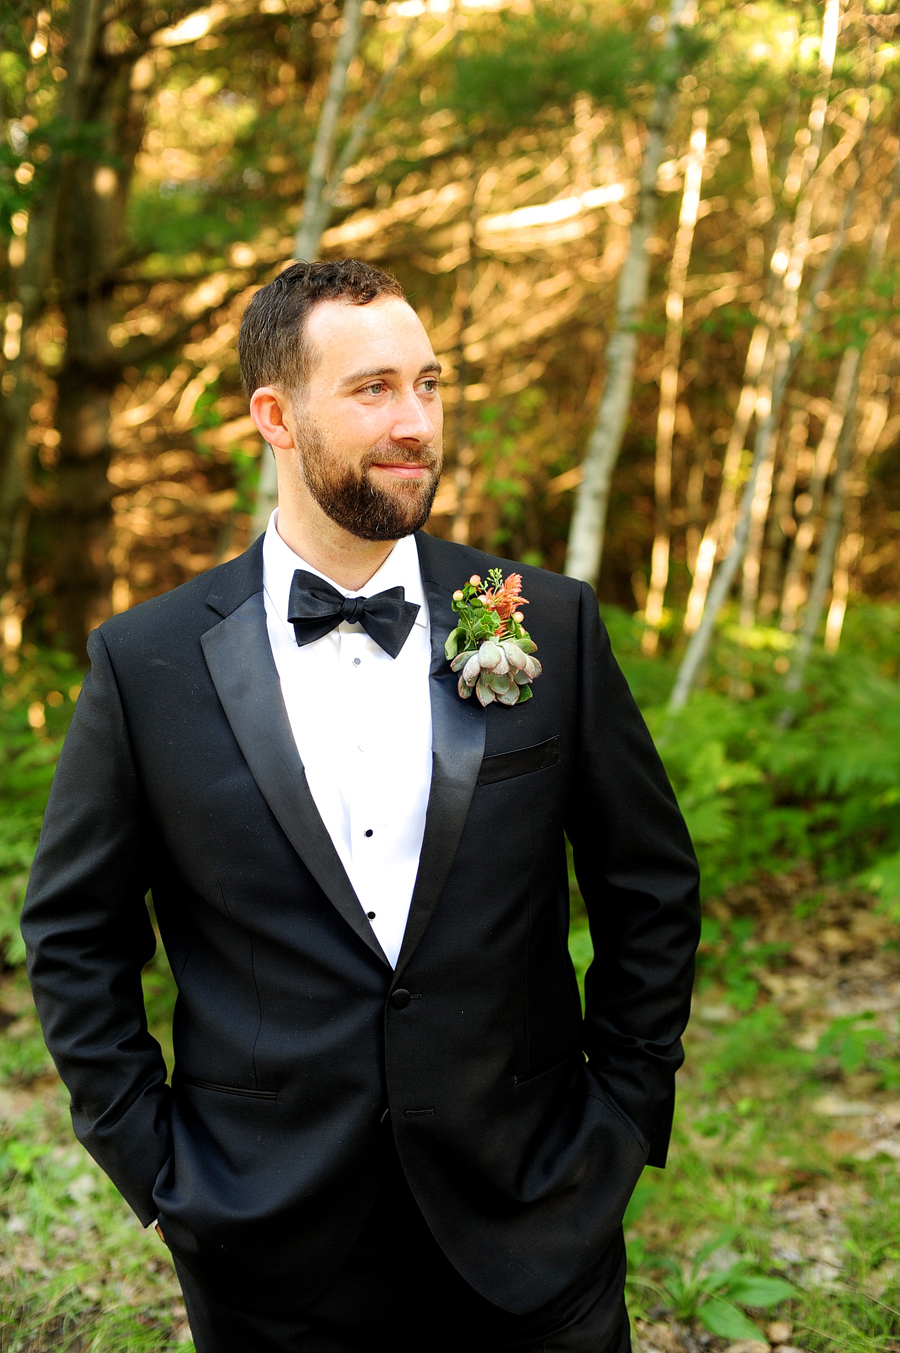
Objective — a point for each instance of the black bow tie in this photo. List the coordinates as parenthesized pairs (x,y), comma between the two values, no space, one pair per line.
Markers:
(316,608)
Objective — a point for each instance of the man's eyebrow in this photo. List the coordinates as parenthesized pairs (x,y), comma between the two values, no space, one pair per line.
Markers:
(373,373)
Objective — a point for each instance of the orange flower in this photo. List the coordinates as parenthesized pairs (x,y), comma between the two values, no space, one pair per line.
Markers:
(506,599)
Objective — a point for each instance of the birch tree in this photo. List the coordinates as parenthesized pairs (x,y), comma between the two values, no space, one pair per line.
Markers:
(316,208)
(585,550)
(668,381)
(834,518)
(787,343)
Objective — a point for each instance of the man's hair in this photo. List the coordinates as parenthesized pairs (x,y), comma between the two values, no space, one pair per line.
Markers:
(272,344)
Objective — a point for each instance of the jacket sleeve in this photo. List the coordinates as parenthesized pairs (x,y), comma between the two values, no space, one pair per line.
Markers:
(88,934)
(638,875)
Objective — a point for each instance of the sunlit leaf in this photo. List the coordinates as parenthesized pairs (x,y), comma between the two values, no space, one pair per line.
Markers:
(721,1317)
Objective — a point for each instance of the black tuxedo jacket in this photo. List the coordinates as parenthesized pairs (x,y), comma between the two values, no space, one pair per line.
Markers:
(522,1126)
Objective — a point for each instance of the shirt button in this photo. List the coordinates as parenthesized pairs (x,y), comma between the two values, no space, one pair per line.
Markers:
(369,832)
(357,661)
(371,915)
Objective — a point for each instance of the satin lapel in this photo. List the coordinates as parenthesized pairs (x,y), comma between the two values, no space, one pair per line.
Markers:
(457,731)
(243,670)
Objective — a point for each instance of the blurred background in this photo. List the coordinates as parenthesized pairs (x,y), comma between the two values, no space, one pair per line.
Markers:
(656,249)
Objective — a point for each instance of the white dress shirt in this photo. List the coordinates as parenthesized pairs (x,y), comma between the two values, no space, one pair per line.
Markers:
(362,724)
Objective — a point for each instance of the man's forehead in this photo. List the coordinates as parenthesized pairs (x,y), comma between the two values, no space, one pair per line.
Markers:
(337,329)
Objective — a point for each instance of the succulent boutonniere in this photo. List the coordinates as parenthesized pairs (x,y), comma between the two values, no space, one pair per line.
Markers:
(489,648)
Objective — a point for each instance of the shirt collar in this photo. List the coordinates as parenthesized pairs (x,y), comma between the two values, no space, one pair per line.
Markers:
(400,569)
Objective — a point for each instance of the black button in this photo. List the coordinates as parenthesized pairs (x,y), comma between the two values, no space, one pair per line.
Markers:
(369,832)
(371,915)
(400,998)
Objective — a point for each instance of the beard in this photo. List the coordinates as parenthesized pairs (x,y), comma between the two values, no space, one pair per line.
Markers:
(349,496)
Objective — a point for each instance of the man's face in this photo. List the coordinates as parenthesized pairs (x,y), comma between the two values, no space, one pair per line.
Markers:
(368,422)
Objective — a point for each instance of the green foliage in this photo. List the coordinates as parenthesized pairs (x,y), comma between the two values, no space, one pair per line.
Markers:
(36,702)
(510,73)
(713,1294)
(730,954)
(856,1043)
(759,796)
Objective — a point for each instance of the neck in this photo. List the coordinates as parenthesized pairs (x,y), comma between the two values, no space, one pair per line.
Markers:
(345,558)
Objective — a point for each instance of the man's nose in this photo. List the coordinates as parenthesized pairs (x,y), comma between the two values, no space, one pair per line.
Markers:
(413,421)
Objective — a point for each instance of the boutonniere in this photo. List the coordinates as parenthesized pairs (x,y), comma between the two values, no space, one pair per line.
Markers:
(489,648)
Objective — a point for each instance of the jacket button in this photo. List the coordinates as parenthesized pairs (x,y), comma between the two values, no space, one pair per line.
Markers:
(400,998)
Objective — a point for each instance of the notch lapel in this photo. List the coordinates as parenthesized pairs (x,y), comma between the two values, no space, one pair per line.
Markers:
(243,671)
(458,732)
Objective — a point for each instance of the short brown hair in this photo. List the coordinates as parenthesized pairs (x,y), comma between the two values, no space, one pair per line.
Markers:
(272,345)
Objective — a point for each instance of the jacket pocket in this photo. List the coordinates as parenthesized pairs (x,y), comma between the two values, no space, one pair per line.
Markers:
(530,1076)
(521,761)
(228,1089)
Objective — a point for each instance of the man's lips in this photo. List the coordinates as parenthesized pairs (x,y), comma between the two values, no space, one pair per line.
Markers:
(402,471)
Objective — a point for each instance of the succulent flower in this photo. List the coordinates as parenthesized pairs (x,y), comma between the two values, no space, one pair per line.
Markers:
(489,649)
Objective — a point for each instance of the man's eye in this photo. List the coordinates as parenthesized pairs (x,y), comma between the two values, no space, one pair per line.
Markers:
(430,385)
(374,389)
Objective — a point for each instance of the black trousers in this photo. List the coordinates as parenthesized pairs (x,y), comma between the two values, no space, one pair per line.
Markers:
(397,1285)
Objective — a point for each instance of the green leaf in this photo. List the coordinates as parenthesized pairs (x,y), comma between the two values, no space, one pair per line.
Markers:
(525,693)
(720,1317)
(750,1291)
(484,692)
(451,647)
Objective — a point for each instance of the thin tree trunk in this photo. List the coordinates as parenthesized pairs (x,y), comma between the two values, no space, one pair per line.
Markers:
(825,561)
(668,382)
(722,521)
(360,129)
(834,521)
(460,527)
(588,527)
(759,512)
(317,205)
(781,521)
(794,589)
(789,251)
(848,552)
(786,352)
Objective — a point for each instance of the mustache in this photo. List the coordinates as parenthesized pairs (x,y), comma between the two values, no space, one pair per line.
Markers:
(427,456)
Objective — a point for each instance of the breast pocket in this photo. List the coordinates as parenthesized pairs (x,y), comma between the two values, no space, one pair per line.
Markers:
(521,761)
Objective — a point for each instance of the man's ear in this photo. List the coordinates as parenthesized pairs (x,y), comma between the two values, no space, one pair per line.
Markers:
(270,411)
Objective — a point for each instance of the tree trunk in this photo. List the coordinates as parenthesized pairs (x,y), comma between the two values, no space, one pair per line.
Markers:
(786,351)
(588,527)
(31,283)
(781,521)
(73,532)
(460,526)
(722,522)
(794,578)
(668,382)
(759,512)
(834,521)
(316,210)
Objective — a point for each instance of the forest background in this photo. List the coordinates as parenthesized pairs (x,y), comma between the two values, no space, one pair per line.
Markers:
(657,253)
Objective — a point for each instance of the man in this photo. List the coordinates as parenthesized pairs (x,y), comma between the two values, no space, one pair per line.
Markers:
(387,1119)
